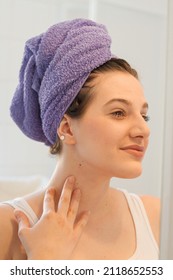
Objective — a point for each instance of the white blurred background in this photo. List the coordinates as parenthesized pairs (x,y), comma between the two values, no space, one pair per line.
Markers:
(138,31)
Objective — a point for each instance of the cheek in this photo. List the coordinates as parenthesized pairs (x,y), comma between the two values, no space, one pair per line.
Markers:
(100,138)
(109,134)
(91,137)
(98,133)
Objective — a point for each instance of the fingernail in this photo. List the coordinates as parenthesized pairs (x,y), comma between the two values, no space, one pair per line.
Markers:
(51,190)
(78,193)
(71,179)
(88,212)
(17,216)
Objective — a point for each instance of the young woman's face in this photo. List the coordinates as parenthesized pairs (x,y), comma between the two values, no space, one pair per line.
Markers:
(112,135)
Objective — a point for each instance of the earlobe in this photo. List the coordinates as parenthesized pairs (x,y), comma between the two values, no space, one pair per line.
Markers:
(65,131)
(62,137)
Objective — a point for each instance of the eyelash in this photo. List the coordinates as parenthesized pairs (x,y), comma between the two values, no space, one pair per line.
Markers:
(146,118)
(121,115)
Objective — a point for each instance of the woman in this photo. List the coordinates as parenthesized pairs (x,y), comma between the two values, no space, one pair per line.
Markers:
(89,107)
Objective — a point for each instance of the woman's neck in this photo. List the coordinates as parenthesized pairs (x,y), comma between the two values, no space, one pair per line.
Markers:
(94,186)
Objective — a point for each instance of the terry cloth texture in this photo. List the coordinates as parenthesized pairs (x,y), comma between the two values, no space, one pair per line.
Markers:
(55,66)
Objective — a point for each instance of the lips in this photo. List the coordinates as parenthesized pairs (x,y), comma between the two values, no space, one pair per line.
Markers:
(134,147)
(135,150)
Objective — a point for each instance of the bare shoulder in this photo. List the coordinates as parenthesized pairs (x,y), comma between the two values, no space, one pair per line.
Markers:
(10,246)
(8,230)
(152,207)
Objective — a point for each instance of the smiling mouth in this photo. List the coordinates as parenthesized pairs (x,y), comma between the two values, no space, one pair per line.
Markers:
(137,151)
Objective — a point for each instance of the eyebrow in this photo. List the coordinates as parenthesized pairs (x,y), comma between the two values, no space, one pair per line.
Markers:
(124,101)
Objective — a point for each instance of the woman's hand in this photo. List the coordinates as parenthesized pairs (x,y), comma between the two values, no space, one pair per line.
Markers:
(57,232)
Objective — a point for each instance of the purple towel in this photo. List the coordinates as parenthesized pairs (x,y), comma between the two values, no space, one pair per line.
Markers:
(54,68)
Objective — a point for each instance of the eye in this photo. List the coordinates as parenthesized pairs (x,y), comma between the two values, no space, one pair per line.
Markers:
(119,114)
(146,118)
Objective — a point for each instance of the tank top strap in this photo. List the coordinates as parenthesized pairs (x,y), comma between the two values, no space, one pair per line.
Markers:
(146,243)
(22,205)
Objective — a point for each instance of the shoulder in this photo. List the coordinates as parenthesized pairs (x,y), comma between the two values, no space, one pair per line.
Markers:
(152,207)
(10,246)
(8,231)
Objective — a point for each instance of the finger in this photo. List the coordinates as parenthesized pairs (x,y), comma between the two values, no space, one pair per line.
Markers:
(65,198)
(22,220)
(49,200)
(82,222)
(74,205)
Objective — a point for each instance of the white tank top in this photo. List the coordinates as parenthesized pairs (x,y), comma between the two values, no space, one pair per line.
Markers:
(146,245)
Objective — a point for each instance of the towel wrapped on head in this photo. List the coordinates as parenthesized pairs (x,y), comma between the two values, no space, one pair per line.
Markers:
(55,66)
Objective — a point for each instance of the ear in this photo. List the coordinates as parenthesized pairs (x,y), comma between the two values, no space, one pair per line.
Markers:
(66,130)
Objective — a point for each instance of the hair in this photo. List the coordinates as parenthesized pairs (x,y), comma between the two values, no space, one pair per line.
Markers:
(84,97)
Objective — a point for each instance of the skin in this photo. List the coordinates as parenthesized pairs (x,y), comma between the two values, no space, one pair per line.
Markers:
(86,219)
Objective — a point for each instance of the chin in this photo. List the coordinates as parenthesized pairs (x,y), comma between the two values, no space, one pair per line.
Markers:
(133,176)
(129,174)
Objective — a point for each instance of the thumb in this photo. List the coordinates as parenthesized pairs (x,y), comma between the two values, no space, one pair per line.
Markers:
(22,220)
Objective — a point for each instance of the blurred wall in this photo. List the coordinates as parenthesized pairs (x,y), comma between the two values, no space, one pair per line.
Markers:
(138,30)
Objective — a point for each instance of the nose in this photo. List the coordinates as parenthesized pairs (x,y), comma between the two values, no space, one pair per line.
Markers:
(139,128)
